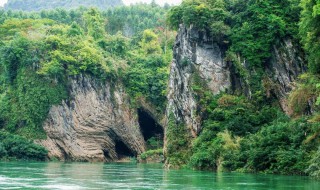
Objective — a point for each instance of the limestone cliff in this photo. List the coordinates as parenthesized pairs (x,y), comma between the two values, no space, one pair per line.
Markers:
(96,124)
(195,53)
(285,65)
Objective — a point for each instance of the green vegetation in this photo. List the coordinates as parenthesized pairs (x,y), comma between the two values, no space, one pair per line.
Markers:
(151,154)
(253,134)
(41,52)
(307,91)
(49,53)
(155,143)
(314,168)
(239,135)
(279,148)
(122,19)
(19,148)
(26,103)
(205,15)
(246,28)
(228,119)
(310,32)
(178,143)
(37,5)
(135,19)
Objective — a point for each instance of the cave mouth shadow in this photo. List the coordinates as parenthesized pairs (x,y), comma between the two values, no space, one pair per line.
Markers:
(122,150)
(151,130)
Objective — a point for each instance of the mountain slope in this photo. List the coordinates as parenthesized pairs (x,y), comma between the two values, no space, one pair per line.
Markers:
(37,5)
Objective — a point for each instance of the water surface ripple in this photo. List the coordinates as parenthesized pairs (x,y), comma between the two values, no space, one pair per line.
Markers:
(73,176)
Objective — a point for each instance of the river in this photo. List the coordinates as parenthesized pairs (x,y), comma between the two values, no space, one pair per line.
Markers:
(73,176)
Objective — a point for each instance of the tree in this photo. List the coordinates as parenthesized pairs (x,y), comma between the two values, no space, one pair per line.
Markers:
(149,43)
(203,15)
(310,32)
(115,44)
(75,30)
(94,23)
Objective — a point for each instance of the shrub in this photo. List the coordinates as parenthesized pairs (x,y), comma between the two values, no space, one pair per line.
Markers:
(279,148)
(151,153)
(178,143)
(16,147)
(301,99)
(3,151)
(314,167)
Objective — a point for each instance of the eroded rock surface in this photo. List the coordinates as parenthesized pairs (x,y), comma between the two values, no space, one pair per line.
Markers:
(89,126)
(285,65)
(194,56)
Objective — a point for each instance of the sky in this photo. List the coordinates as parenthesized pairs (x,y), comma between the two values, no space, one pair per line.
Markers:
(2,2)
(128,2)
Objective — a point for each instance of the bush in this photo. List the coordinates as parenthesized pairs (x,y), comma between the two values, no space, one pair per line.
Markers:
(155,143)
(310,33)
(16,147)
(242,135)
(307,91)
(151,153)
(278,148)
(203,16)
(206,154)
(238,115)
(148,77)
(178,144)
(30,97)
(3,151)
(314,167)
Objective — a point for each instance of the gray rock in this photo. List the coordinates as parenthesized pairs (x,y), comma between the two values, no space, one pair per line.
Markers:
(285,65)
(87,127)
(194,53)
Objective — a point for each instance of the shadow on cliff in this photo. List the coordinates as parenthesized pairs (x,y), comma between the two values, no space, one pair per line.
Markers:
(122,150)
(151,130)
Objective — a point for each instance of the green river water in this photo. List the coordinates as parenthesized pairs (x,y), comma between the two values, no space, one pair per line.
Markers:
(56,175)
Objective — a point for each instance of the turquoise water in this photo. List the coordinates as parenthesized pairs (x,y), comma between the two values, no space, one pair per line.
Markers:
(53,175)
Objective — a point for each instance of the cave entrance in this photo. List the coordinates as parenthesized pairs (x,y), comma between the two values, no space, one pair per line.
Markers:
(122,150)
(151,130)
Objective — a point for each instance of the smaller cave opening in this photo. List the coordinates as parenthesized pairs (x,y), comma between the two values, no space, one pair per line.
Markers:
(106,154)
(151,130)
(122,150)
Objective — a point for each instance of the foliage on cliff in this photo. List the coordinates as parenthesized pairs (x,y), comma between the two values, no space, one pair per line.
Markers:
(241,136)
(248,29)
(251,134)
(179,144)
(41,52)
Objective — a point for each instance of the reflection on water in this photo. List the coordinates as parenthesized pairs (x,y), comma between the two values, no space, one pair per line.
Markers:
(58,175)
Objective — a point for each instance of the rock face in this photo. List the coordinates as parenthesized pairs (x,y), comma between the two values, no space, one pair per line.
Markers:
(195,54)
(97,124)
(285,65)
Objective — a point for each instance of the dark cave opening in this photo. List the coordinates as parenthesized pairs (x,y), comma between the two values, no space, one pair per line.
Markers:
(122,150)
(151,130)
(106,154)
